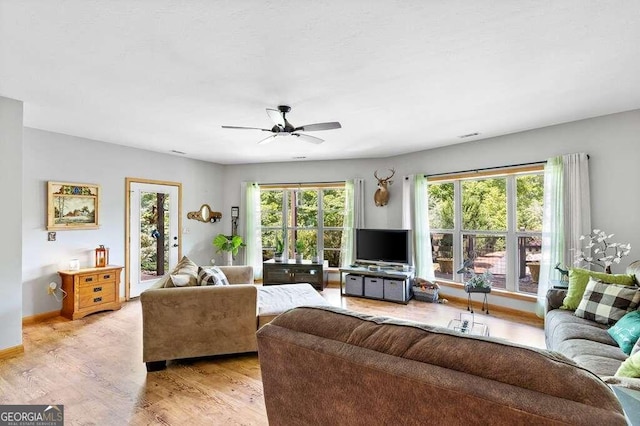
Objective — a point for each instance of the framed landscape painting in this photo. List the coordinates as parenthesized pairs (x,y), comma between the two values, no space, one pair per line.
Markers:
(72,206)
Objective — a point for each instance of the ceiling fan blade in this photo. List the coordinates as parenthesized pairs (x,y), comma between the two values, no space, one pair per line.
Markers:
(308,138)
(276,117)
(246,128)
(319,126)
(267,139)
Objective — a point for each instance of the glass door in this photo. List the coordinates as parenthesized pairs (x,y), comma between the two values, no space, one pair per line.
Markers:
(154,239)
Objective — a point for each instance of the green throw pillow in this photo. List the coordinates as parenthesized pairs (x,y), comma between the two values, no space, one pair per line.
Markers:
(578,279)
(626,331)
(630,367)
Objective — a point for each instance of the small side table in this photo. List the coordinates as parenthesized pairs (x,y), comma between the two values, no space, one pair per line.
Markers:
(90,290)
(485,301)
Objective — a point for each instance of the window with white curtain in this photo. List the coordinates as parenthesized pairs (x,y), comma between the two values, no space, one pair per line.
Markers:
(493,218)
(312,215)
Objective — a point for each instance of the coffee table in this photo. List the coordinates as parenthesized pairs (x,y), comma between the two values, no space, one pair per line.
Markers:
(466,325)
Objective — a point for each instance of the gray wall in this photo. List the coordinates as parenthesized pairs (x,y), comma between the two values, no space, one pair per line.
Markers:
(611,141)
(11,218)
(56,157)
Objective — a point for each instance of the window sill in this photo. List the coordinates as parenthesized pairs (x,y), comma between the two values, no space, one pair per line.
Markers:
(495,291)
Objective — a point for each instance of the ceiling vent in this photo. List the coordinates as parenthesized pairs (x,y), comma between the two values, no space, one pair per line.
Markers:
(469,135)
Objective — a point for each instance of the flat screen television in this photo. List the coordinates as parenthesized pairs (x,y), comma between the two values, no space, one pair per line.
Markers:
(383,246)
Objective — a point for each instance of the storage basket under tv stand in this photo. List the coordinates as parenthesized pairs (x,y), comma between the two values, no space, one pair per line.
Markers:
(396,283)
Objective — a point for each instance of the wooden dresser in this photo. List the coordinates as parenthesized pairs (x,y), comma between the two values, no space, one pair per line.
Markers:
(90,290)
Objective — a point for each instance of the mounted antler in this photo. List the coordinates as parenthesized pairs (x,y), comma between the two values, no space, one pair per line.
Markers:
(381,197)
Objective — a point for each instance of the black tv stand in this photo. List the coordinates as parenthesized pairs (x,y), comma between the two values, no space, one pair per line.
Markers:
(390,284)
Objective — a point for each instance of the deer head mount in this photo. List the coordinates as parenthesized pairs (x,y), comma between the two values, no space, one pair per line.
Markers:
(381,197)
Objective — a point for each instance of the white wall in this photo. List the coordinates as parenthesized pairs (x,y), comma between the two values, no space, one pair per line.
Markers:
(11,218)
(611,141)
(56,157)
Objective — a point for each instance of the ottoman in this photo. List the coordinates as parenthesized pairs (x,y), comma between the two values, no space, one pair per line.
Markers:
(276,299)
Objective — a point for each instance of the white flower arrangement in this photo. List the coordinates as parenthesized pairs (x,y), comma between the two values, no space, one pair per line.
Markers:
(480,281)
(603,253)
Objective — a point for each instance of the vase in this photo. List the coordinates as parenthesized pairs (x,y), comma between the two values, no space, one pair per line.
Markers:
(534,268)
(607,270)
(228,258)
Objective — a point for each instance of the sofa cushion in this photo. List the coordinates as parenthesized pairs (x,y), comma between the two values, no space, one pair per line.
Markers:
(276,299)
(561,325)
(184,266)
(630,367)
(211,276)
(579,278)
(626,332)
(607,303)
(585,342)
(180,280)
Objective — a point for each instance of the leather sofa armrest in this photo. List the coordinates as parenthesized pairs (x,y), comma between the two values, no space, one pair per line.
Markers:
(555,297)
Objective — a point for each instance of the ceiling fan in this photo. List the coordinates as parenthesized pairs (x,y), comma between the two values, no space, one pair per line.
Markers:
(282,127)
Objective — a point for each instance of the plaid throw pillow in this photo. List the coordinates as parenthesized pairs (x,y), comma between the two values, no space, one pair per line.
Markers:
(211,276)
(607,303)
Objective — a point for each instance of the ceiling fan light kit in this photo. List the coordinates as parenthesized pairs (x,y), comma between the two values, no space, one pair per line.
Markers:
(282,127)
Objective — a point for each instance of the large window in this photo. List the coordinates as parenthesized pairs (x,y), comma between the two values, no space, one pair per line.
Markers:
(310,215)
(495,221)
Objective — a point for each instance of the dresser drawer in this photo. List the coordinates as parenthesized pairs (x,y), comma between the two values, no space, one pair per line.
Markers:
(88,279)
(107,276)
(96,294)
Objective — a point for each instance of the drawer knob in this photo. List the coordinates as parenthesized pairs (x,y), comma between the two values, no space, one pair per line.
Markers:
(96,289)
(106,277)
(88,280)
(97,299)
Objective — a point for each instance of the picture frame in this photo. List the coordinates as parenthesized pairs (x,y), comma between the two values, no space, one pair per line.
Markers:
(72,206)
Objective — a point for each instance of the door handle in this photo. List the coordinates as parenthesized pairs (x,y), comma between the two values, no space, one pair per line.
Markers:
(175,245)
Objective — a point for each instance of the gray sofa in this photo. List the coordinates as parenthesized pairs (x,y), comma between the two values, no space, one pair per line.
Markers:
(188,322)
(329,366)
(585,342)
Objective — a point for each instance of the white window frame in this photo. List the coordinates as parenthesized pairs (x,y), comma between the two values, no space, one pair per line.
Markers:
(511,234)
(286,211)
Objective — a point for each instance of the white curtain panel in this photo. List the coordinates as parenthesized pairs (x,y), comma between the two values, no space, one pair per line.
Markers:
(552,224)
(567,216)
(353,219)
(415,216)
(577,207)
(253,233)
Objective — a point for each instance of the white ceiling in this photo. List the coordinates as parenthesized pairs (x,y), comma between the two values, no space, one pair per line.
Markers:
(400,76)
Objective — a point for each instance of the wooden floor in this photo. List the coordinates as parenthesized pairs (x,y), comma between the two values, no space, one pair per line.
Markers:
(93,366)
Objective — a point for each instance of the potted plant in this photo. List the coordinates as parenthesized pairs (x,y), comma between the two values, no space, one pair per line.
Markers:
(314,255)
(445,256)
(299,249)
(229,244)
(277,256)
(479,283)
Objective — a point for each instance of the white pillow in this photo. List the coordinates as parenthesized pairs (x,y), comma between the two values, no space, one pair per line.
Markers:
(180,280)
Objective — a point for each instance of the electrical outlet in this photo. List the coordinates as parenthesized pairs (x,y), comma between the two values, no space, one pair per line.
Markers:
(51,289)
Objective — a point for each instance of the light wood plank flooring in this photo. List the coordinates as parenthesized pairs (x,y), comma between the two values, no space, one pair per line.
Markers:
(94,367)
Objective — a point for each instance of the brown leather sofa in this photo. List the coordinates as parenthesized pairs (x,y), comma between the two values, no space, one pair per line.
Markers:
(328,366)
(188,322)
